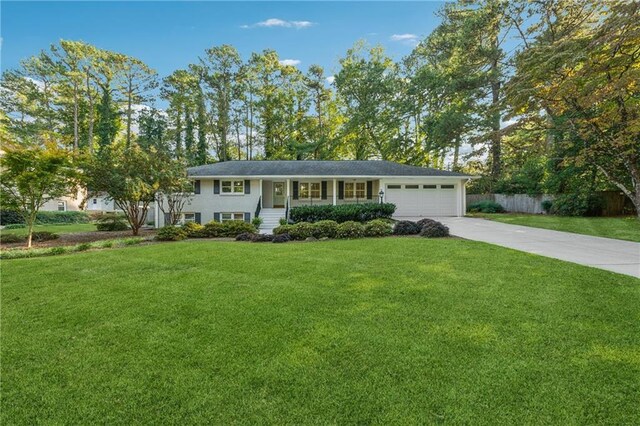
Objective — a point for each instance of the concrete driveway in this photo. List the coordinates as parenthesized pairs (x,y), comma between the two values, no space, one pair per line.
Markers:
(604,253)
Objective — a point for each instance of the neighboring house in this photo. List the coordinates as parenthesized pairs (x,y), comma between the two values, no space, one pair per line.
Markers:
(70,203)
(242,190)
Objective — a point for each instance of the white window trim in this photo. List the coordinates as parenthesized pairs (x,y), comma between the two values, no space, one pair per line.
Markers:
(232,186)
(183,218)
(222,219)
(64,206)
(309,182)
(355,197)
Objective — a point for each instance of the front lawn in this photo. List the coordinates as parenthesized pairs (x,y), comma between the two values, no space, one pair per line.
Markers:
(67,228)
(621,228)
(387,331)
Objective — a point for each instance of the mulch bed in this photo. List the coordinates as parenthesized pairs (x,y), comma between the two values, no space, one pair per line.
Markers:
(83,237)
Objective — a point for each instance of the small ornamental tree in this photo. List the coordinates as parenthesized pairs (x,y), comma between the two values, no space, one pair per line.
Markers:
(175,190)
(130,176)
(31,177)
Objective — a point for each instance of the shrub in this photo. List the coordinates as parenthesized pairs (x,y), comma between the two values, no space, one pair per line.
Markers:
(256,221)
(262,238)
(171,233)
(422,222)
(80,247)
(281,238)
(62,250)
(282,229)
(12,238)
(301,231)
(193,230)
(325,228)
(212,229)
(16,226)
(111,222)
(234,227)
(434,230)
(106,244)
(62,217)
(485,206)
(44,236)
(343,212)
(579,204)
(10,217)
(406,227)
(132,241)
(283,221)
(350,229)
(245,236)
(547,205)
(377,228)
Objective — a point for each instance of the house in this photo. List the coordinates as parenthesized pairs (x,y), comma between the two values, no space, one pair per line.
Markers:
(242,190)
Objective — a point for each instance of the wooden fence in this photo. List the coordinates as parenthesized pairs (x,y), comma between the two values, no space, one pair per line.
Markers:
(616,203)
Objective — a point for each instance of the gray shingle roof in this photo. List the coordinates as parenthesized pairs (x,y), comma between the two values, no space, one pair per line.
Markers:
(372,168)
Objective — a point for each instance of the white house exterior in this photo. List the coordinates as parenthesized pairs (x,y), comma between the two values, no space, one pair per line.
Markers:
(242,190)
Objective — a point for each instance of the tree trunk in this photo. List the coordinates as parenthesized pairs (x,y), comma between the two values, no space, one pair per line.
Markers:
(75,115)
(91,116)
(129,94)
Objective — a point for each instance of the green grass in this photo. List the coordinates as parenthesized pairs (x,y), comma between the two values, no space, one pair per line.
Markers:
(57,228)
(621,228)
(386,331)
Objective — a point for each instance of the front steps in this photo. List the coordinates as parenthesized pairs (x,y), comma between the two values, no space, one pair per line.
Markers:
(270,219)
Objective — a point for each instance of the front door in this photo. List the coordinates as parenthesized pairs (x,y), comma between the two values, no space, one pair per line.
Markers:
(278,194)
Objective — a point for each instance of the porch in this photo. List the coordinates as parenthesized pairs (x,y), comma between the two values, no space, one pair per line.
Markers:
(287,193)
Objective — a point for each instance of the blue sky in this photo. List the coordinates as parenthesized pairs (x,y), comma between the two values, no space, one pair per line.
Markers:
(170,35)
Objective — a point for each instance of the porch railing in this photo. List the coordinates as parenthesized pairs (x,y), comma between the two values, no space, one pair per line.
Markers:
(258,207)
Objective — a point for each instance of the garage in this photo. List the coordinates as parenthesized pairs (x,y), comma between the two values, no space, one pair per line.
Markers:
(423,200)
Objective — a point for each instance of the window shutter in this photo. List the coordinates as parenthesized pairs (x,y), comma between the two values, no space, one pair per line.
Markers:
(247,186)
(199,218)
(196,187)
(323,186)
(247,217)
(340,190)
(216,216)
(167,219)
(216,186)
(295,189)
(369,190)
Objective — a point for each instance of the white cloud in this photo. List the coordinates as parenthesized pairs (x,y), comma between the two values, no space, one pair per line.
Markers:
(331,79)
(410,39)
(276,22)
(292,62)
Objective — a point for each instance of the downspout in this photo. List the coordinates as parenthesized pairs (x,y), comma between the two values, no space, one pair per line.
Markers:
(156,214)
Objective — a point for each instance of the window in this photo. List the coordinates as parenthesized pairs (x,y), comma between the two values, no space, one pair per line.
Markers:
(394,186)
(188,217)
(355,190)
(62,206)
(429,186)
(411,186)
(447,186)
(309,190)
(226,217)
(232,186)
(95,201)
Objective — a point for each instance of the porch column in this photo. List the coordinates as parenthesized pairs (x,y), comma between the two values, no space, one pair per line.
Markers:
(335,192)
(288,185)
(260,193)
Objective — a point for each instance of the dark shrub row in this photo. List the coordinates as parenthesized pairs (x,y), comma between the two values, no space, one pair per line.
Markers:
(229,229)
(343,212)
(112,222)
(485,206)
(8,217)
(580,204)
(332,229)
(36,237)
(425,227)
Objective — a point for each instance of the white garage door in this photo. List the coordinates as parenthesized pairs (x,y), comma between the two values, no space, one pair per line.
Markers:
(419,200)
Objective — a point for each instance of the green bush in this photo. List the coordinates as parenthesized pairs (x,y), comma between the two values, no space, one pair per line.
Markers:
(193,230)
(434,230)
(112,222)
(547,205)
(12,238)
(485,206)
(256,222)
(283,221)
(10,217)
(579,204)
(377,228)
(350,229)
(343,212)
(171,233)
(230,229)
(16,226)
(406,227)
(325,229)
(62,217)
(426,221)
(44,236)
(80,247)
(301,231)
(282,229)
(132,241)
(62,250)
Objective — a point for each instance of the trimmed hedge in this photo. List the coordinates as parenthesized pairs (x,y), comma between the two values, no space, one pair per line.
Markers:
(485,206)
(406,227)
(8,217)
(434,230)
(343,212)
(230,229)
(171,233)
(377,228)
(112,222)
(350,229)
(325,229)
